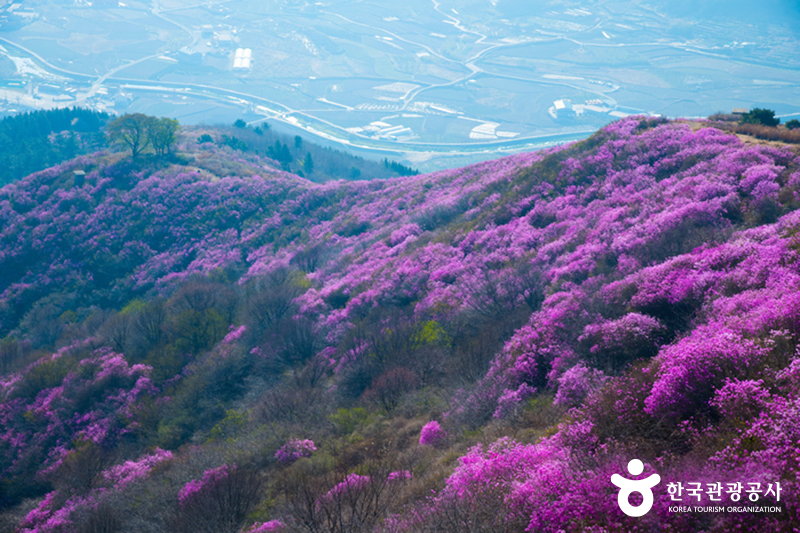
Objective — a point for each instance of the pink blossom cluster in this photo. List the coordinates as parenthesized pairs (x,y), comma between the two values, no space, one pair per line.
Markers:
(577,383)
(509,402)
(121,475)
(210,478)
(294,450)
(353,483)
(234,334)
(432,434)
(49,517)
(399,475)
(271,526)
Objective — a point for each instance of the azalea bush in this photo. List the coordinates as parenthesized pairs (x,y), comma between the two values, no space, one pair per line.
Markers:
(294,450)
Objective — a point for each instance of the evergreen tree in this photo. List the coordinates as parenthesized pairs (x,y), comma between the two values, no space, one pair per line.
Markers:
(34,141)
(757,115)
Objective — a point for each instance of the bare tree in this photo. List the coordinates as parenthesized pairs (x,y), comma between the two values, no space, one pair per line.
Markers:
(338,503)
(102,519)
(269,299)
(10,352)
(79,470)
(149,323)
(223,506)
(117,331)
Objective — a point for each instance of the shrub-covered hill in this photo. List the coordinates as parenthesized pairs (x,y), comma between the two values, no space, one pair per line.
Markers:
(30,142)
(185,352)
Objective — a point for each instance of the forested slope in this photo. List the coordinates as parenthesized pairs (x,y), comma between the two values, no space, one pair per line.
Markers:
(34,141)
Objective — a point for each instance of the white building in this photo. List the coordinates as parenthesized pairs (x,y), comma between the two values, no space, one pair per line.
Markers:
(243,59)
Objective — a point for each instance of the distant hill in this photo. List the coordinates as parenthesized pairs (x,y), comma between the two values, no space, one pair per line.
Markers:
(34,141)
(217,345)
(298,155)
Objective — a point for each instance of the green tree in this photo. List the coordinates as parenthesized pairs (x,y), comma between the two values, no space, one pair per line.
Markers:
(233,142)
(240,123)
(280,153)
(131,131)
(793,124)
(308,163)
(205,138)
(400,169)
(163,133)
(760,116)
(298,142)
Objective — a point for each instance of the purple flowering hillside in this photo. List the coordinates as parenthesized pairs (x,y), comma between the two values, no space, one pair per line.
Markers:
(222,346)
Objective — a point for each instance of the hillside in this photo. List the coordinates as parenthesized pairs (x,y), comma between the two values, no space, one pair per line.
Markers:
(222,346)
(31,142)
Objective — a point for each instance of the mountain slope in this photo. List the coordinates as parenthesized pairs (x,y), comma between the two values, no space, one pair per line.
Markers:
(632,295)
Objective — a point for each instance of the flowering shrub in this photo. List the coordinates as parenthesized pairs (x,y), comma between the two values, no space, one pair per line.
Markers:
(234,334)
(210,479)
(617,342)
(294,450)
(49,517)
(743,399)
(692,369)
(432,434)
(352,484)
(509,401)
(129,471)
(575,384)
(399,475)
(266,527)
(517,486)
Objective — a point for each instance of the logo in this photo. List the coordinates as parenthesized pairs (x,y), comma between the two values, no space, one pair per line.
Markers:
(629,486)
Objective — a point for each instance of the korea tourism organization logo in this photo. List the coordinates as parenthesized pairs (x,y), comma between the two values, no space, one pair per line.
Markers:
(629,486)
(695,493)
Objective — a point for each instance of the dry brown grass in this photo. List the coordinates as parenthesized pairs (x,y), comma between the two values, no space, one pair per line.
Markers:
(752,133)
